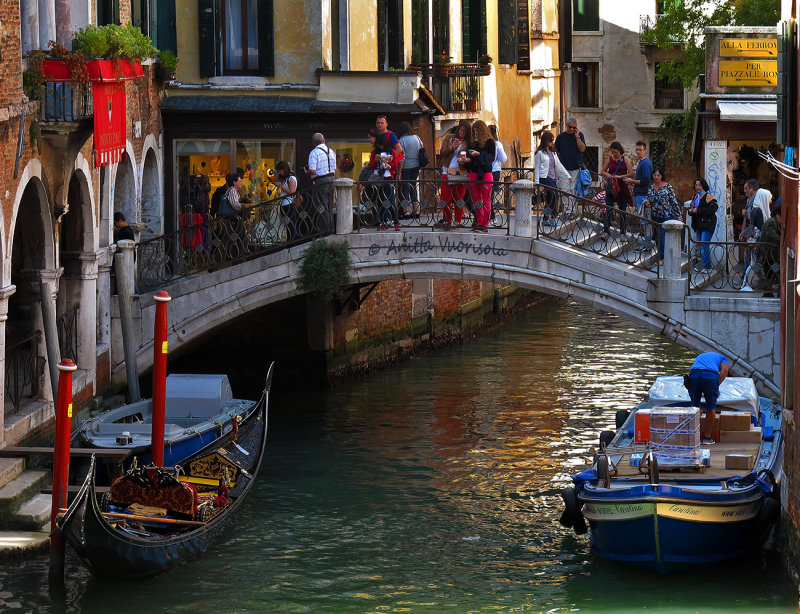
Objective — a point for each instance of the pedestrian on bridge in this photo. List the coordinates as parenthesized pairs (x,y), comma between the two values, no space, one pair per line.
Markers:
(615,170)
(481,156)
(384,160)
(321,169)
(547,170)
(454,174)
(703,210)
(663,206)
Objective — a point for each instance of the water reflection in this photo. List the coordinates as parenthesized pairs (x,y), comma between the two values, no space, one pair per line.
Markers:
(433,487)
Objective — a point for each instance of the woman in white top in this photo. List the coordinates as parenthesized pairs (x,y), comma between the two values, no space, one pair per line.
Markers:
(547,168)
(286,182)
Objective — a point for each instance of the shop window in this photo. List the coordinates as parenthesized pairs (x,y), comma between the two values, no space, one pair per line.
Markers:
(203,166)
(585,15)
(586,84)
(668,93)
(473,29)
(236,37)
(513,33)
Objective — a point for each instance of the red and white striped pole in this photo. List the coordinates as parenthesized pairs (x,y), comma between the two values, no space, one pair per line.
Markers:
(159,377)
(61,448)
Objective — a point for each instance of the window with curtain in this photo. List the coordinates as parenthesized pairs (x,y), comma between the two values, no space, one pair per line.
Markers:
(585,15)
(240,51)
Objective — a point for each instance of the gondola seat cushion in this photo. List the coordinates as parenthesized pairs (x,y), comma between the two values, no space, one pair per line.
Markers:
(166,491)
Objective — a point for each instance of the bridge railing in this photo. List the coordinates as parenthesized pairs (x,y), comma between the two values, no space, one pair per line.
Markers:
(204,243)
(592,225)
(733,266)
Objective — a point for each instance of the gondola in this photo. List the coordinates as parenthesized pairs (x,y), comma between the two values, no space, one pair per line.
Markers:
(677,504)
(154,519)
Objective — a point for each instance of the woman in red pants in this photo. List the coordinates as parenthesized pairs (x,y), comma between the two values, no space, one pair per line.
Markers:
(453,188)
(481,156)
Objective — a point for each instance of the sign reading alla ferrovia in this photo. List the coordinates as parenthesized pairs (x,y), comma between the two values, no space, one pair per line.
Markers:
(748,48)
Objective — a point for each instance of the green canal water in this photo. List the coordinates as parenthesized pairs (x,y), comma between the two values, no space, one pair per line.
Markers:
(433,487)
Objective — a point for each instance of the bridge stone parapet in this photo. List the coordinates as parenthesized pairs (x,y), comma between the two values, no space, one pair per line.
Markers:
(745,329)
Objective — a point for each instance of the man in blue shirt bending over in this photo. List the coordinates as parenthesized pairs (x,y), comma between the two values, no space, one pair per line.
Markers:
(707,373)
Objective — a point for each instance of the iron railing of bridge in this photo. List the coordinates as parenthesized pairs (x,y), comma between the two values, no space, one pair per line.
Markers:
(24,368)
(751,267)
(67,329)
(210,243)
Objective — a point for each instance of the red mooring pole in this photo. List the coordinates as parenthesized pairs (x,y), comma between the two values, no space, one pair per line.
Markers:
(159,377)
(61,451)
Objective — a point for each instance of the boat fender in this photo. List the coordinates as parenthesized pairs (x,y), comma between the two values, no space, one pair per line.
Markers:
(605,438)
(621,417)
(603,475)
(767,515)
(572,516)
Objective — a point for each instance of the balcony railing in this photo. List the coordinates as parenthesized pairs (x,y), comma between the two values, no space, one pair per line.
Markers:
(647,23)
(24,367)
(63,103)
(456,86)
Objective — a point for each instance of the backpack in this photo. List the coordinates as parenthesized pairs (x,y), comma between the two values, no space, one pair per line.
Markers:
(216,198)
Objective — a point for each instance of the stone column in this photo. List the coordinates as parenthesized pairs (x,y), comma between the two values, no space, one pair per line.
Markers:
(5,293)
(671,269)
(523,190)
(123,265)
(29,25)
(49,293)
(47,21)
(63,13)
(104,264)
(87,314)
(344,206)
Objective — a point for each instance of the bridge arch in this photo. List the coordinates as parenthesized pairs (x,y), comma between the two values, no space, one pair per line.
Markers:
(206,301)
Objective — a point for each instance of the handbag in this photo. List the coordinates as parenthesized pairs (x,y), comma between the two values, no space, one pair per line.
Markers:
(422,156)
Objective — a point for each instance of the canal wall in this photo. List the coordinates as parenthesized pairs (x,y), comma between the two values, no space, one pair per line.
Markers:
(400,318)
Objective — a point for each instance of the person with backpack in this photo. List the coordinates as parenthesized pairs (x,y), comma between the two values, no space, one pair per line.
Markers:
(414,159)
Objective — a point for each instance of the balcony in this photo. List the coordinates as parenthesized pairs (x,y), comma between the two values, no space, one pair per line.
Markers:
(456,86)
(61,102)
(647,23)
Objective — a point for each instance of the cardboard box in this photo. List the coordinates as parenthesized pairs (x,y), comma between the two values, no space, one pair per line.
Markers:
(739,461)
(751,436)
(734,421)
(641,426)
(675,426)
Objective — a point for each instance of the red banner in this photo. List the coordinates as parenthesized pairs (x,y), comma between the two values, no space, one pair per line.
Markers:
(109,122)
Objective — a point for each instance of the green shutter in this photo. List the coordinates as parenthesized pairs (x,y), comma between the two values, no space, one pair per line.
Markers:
(787,85)
(381,15)
(507,31)
(466,48)
(207,49)
(483,50)
(162,24)
(266,38)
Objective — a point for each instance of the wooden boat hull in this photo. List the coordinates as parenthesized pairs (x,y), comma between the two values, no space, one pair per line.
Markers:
(666,533)
(113,553)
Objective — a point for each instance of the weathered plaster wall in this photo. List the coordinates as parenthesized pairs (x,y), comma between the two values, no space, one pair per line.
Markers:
(363,35)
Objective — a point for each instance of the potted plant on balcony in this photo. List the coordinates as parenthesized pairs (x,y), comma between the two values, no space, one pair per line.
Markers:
(443,61)
(485,64)
(471,92)
(416,59)
(167,63)
(457,99)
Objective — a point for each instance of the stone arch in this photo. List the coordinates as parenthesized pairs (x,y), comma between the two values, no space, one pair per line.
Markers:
(124,192)
(152,190)
(32,178)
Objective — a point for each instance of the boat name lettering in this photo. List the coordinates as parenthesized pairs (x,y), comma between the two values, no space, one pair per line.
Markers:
(692,511)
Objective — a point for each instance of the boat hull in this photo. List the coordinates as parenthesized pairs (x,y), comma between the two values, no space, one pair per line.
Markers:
(673,534)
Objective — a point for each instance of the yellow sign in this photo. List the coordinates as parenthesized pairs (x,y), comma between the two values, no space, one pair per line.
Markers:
(69,410)
(748,73)
(164,347)
(748,48)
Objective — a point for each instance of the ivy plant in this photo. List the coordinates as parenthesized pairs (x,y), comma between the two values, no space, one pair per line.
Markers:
(323,270)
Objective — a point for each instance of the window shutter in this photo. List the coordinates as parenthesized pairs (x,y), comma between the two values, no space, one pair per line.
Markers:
(207,49)
(787,85)
(466,48)
(162,24)
(507,31)
(266,38)
(382,34)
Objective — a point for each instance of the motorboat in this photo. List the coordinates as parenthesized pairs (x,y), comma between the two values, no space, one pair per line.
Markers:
(656,497)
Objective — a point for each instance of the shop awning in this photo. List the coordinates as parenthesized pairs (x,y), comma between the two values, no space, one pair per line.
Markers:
(748,111)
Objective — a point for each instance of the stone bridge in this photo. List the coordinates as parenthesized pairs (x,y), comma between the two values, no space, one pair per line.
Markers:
(743,327)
